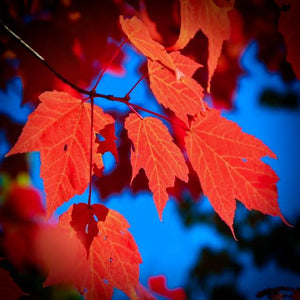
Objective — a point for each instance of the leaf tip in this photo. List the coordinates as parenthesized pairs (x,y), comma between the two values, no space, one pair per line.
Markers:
(7,154)
(232,232)
(285,221)
(12,151)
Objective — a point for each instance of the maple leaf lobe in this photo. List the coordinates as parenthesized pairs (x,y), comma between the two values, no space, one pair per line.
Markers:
(140,37)
(155,152)
(211,19)
(184,96)
(59,120)
(228,163)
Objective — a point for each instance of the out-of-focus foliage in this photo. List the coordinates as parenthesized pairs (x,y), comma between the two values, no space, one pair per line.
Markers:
(263,241)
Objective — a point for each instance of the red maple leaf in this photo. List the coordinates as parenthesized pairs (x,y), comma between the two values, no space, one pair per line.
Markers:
(155,152)
(211,19)
(184,96)
(228,163)
(60,129)
(113,261)
(140,37)
(84,221)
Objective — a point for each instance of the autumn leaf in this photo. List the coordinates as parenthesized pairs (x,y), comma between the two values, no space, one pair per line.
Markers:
(290,29)
(155,152)
(113,261)
(228,163)
(184,96)
(212,20)
(60,129)
(84,221)
(140,37)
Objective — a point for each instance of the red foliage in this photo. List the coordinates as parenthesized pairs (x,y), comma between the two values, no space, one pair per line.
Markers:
(59,128)
(84,221)
(228,163)
(91,247)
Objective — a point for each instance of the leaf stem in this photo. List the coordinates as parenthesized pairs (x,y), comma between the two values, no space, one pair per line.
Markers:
(184,127)
(131,107)
(135,106)
(127,96)
(91,150)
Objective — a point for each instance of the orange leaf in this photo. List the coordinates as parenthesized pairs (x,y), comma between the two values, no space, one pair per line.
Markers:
(140,37)
(228,163)
(113,260)
(290,29)
(184,96)
(213,20)
(60,129)
(155,152)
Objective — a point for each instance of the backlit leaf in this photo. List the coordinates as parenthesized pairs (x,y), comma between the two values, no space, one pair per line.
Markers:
(84,221)
(155,152)
(184,96)
(140,37)
(60,129)
(228,163)
(113,261)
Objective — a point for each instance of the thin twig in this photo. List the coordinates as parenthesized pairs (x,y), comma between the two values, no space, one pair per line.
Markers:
(133,109)
(127,96)
(42,60)
(135,106)
(109,63)
(91,150)
(92,94)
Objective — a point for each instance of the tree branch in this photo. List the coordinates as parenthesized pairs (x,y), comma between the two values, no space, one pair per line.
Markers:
(42,60)
(92,93)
